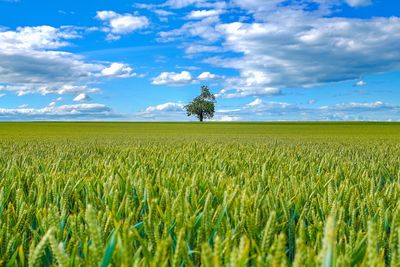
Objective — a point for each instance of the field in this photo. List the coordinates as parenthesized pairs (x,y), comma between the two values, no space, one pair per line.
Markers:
(190,194)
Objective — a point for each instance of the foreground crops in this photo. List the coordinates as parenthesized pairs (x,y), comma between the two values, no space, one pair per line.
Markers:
(185,199)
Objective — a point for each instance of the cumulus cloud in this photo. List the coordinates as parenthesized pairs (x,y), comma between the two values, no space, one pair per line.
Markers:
(61,89)
(119,70)
(30,66)
(226,118)
(173,78)
(204,28)
(40,37)
(184,78)
(290,44)
(262,10)
(200,14)
(27,55)
(371,111)
(170,111)
(53,112)
(166,107)
(205,76)
(82,98)
(118,24)
(303,52)
(262,110)
(31,62)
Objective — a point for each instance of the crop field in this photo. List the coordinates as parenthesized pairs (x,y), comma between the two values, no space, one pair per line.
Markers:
(191,194)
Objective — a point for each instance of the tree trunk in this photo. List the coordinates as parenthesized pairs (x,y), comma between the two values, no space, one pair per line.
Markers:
(201,117)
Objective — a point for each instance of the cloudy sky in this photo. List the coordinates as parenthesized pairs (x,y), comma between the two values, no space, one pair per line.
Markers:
(143,60)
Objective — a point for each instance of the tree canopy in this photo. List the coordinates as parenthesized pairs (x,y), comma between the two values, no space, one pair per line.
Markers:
(202,106)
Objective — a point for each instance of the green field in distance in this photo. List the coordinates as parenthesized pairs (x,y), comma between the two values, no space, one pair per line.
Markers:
(241,130)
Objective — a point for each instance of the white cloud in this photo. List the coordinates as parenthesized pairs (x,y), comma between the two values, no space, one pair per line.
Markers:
(52,104)
(157,9)
(261,110)
(358,3)
(204,28)
(126,24)
(361,83)
(262,10)
(70,89)
(31,66)
(296,51)
(82,98)
(208,76)
(163,13)
(170,111)
(173,78)
(184,78)
(254,4)
(225,118)
(182,3)
(118,24)
(197,3)
(255,103)
(27,55)
(77,111)
(119,70)
(248,91)
(260,104)
(60,89)
(200,14)
(166,107)
(356,105)
(55,101)
(145,6)
(195,49)
(106,15)
(290,43)
(30,62)
(40,37)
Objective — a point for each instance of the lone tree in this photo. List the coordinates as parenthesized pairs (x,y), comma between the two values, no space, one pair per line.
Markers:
(203,106)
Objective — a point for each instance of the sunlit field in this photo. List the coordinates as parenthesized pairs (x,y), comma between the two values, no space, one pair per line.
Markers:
(190,194)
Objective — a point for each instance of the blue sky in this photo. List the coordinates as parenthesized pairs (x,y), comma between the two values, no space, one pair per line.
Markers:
(144,60)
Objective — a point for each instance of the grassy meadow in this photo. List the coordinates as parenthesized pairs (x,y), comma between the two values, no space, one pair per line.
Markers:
(191,194)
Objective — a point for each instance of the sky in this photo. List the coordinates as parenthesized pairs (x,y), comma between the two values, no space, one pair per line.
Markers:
(265,60)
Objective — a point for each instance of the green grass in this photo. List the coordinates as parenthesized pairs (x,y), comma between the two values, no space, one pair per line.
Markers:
(185,194)
(182,130)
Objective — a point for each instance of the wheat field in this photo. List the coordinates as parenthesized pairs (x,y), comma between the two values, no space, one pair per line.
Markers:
(190,194)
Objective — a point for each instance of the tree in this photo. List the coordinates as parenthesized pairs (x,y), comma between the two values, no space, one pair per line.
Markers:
(203,106)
